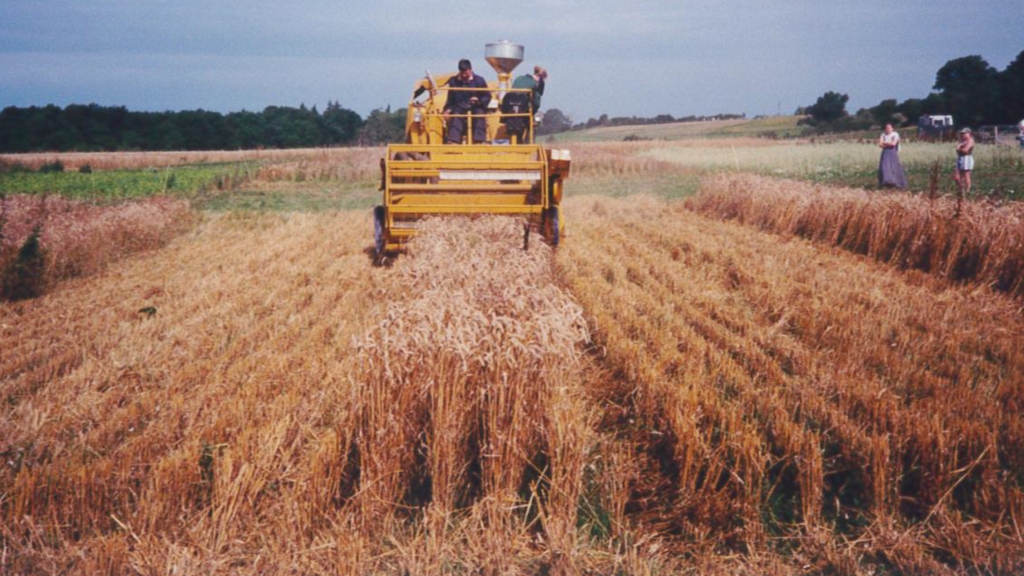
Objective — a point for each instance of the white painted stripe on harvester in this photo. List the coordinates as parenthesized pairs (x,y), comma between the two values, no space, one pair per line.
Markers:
(489,175)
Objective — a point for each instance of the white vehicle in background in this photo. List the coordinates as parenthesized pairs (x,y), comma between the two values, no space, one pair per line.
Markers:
(936,127)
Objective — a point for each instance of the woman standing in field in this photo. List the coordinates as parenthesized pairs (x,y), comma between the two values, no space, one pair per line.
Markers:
(890,172)
(964,161)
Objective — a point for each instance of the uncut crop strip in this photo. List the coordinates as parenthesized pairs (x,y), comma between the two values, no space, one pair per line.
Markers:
(798,391)
(469,401)
(179,411)
(79,238)
(972,241)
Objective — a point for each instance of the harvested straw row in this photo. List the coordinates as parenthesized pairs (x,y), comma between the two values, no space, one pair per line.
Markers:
(198,437)
(785,389)
(972,241)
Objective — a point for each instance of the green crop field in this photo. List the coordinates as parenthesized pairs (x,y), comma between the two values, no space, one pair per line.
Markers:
(125,184)
(999,170)
(770,127)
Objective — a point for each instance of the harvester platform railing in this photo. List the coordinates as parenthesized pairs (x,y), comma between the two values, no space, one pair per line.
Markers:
(494,114)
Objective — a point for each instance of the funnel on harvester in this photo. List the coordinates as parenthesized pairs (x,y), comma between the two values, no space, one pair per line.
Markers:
(503,56)
(426,176)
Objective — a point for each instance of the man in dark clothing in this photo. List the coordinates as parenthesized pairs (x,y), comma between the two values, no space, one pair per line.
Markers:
(527,103)
(462,102)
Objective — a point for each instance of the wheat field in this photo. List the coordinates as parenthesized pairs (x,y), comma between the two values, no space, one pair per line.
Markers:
(682,387)
(785,393)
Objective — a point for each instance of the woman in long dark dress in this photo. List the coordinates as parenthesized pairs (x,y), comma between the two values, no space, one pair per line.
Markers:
(890,172)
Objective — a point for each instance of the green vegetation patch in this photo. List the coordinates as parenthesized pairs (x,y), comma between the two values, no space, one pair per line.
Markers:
(765,127)
(184,181)
(667,185)
(772,127)
(999,170)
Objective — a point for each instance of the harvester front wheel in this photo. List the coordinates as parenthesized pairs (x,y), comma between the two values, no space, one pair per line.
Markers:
(379,231)
(552,225)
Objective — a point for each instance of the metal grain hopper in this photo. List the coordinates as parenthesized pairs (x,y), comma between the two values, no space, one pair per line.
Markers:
(425,176)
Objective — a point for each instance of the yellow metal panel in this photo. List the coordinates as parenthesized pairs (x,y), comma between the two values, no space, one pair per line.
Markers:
(465,209)
(493,187)
(492,175)
(418,173)
(428,201)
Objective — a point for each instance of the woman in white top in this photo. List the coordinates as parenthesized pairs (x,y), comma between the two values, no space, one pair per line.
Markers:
(890,172)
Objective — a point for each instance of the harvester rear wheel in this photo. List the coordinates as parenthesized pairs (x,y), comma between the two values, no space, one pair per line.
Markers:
(379,232)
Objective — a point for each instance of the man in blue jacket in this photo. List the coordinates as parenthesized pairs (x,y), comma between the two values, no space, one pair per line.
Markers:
(462,102)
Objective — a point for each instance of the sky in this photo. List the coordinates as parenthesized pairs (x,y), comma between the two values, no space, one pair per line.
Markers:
(615,57)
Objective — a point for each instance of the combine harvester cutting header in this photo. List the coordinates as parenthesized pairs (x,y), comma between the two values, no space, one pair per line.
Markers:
(426,176)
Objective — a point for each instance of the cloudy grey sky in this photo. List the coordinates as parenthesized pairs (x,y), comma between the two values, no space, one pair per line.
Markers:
(620,57)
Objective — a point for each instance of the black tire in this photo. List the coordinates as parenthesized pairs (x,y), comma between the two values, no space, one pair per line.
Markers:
(553,233)
(379,231)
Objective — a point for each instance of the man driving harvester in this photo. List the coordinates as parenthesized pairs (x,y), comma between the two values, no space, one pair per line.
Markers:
(463,103)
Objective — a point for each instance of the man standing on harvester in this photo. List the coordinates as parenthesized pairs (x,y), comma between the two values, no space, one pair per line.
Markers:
(518,105)
(467,103)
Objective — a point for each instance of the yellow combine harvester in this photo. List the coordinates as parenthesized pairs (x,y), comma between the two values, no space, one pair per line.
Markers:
(425,176)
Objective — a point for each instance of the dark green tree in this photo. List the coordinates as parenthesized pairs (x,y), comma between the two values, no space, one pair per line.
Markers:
(885,112)
(201,130)
(968,87)
(246,129)
(340,125)
(94,127)
(1011,92)
(910,109)
(934,103)
(553,122)
(287,127)
(829,107)
(166,136)
(383,127)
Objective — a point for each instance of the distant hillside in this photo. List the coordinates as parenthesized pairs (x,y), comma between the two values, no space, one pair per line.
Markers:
(773,126)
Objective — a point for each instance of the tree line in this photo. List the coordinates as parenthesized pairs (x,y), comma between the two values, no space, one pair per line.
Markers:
(555,121)
(604,120)
(968,88)
(91,128)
